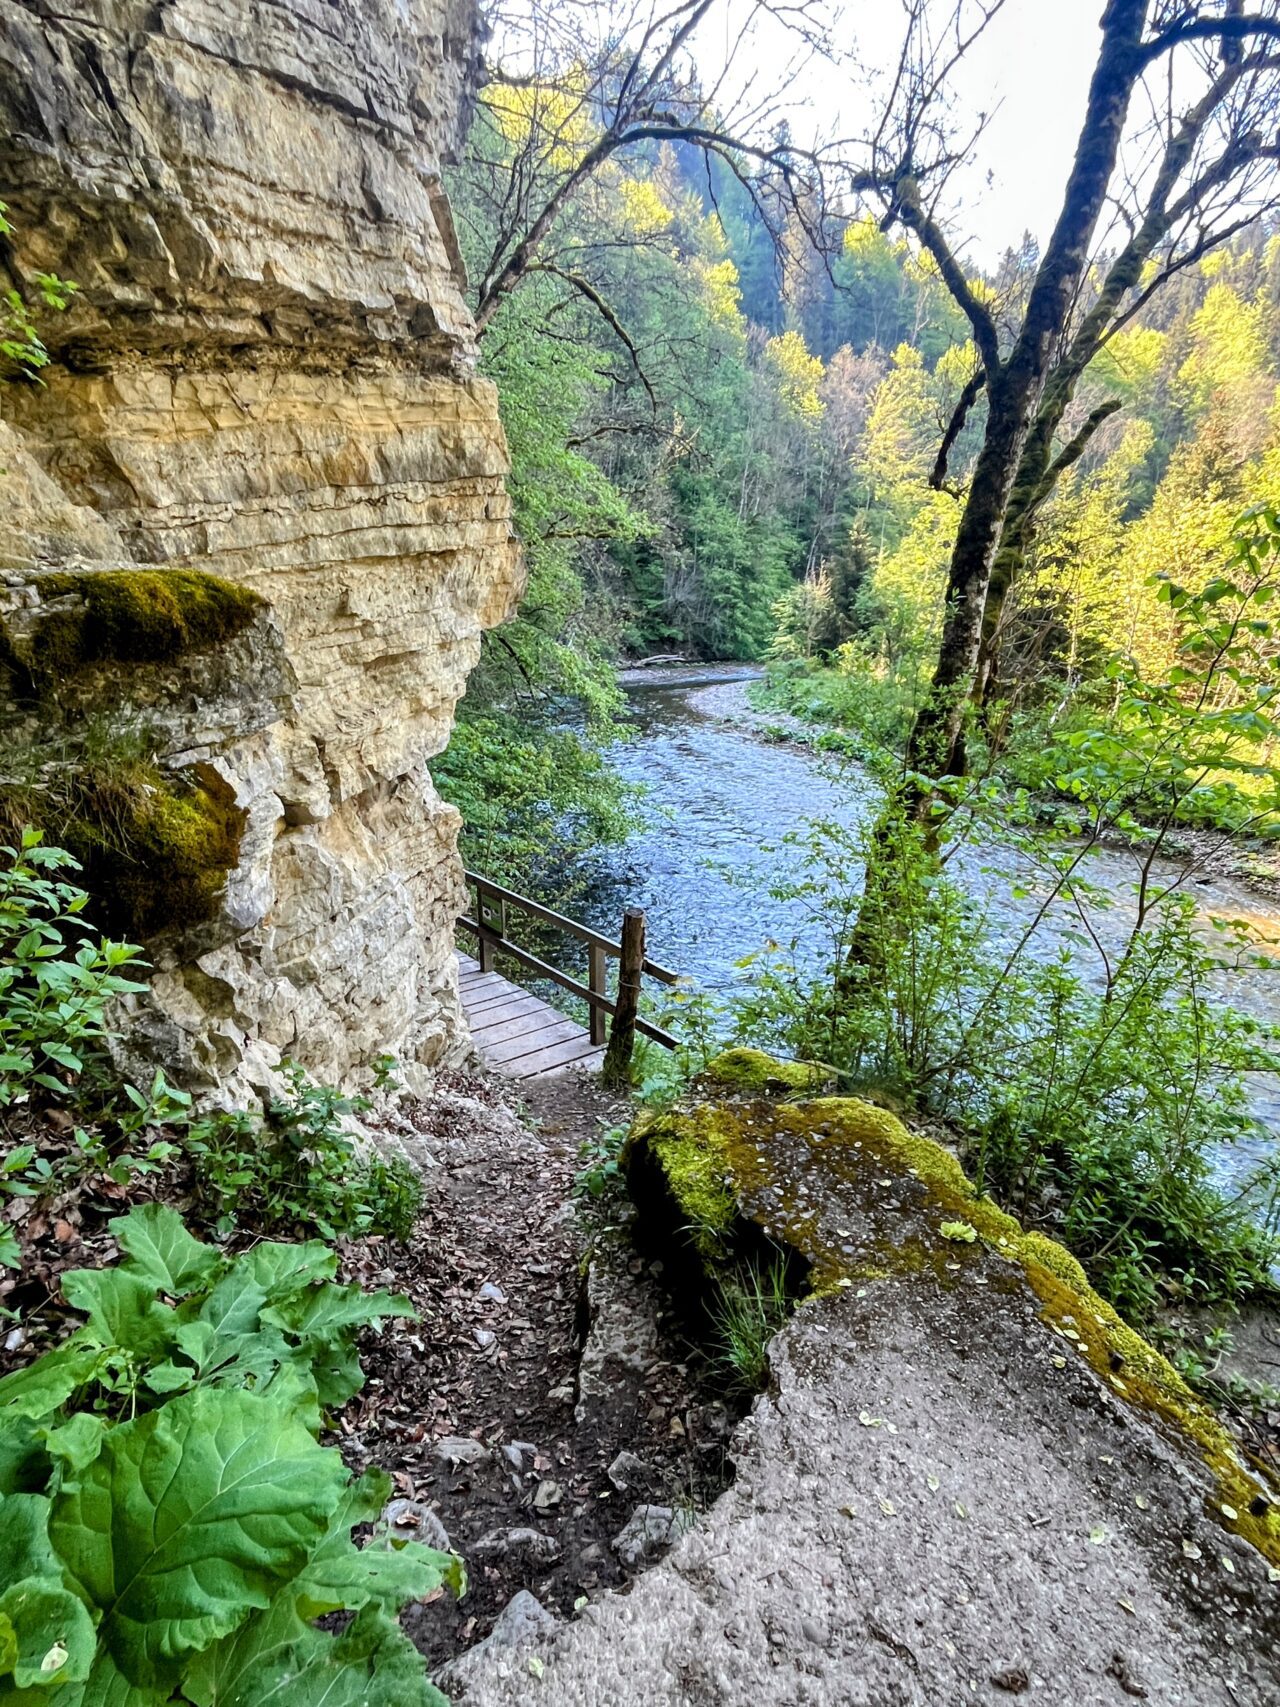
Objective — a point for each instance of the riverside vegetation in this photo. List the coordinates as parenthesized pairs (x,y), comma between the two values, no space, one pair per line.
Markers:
(810,501)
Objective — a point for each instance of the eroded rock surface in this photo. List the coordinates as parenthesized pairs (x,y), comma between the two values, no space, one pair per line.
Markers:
(267,373)
(957,1488)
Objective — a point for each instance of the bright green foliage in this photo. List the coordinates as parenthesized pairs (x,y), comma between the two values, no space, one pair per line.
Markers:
(299,1170)
(170,1525)
(56,978)
(1195,744)
(21,346)
(751,1307)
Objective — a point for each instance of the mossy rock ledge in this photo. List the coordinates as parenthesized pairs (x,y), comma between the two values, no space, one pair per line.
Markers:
(863,1207)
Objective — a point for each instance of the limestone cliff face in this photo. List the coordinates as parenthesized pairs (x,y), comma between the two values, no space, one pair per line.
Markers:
(267,374)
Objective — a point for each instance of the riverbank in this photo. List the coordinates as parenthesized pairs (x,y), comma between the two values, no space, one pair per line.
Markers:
(1252,861)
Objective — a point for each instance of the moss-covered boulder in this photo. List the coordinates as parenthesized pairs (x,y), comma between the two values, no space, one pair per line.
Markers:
(857,1198)
(753,1073)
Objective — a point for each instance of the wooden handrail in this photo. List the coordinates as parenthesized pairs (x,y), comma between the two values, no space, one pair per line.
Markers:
(584,933)
(493,939)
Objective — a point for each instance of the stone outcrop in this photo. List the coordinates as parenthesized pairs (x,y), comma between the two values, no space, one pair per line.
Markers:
(968,1480)
(266,375)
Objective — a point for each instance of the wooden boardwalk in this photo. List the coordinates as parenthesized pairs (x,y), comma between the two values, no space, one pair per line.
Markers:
(518,1034)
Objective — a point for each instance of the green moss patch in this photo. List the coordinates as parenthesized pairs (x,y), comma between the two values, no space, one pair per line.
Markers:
(134,616)
(682,1157)
(750,1072)
(154,848)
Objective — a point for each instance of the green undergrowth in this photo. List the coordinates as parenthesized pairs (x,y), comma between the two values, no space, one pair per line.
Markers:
(692,1169)
(171,1528)
(76,1132)
(154,847)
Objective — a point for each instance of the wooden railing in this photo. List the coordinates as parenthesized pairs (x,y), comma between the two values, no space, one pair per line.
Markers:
(489,927)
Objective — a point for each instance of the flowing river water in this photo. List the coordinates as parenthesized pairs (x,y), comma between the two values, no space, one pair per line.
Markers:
(719,799)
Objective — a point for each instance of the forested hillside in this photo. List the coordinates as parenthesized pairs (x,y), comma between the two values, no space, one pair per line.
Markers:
(727,420)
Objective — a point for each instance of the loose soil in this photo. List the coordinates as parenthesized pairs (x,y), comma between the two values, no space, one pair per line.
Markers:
(496,1269)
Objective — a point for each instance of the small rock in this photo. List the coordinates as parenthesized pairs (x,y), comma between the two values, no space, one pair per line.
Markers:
(460,1449)
(546,1495)
(484,1337)
(530,1545)
(492,1293)
(523,1622)
(561,1395)
(626,1470)
(1014,1680)
(648,1530)
(413,1521)
(513,1455)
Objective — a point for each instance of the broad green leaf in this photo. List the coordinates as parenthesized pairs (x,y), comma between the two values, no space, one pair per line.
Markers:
(106,1686)
(278,1661)
(43,1386)
(25,1548)
(76,1442)
(24,1468)
(53,1632)
(324,1311)
(10,1250)
(191,1517)
(281,1269)
(169,1377)
(341,1576)
(162,1252)
(121,1308)
(233,1307)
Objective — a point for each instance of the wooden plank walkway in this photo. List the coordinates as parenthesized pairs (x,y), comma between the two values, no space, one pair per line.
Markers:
(518,1034)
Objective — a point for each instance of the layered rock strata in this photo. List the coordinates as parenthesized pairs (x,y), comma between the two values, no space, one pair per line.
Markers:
(267,375)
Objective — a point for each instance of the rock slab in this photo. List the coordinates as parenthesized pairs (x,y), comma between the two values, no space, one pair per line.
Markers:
(940,1499)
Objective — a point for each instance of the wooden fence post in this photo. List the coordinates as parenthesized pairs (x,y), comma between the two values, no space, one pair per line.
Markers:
(597,983)
(622,1034)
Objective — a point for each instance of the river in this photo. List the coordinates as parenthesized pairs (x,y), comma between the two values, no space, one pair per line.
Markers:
(720,798)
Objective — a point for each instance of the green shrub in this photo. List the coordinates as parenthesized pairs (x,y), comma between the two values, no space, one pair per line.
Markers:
(22,349)
(1091,1088)
(170,1526)
(298,1169)
(57,978)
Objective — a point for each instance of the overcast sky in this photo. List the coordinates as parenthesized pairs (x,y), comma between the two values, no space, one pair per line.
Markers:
(1031,70)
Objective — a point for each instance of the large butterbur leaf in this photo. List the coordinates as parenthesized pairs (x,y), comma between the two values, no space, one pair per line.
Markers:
(161,1252)
(122,1309)
(50,1633)
(323,1312)
(46,1633)
(43,1386)
(383,1573)
(190,1518)
(281,1269)
(279,1660)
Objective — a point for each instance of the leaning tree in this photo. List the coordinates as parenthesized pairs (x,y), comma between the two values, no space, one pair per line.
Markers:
(1177,151)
